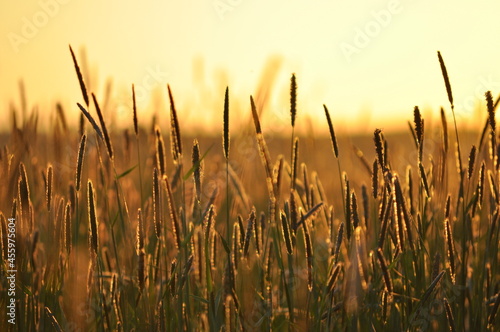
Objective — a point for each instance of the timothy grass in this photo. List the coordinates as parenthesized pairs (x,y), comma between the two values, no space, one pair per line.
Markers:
(218,246)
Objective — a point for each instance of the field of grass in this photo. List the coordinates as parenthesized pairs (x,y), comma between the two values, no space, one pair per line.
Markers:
(144,229)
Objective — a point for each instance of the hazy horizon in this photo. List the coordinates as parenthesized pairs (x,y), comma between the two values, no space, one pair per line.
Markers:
(369,63)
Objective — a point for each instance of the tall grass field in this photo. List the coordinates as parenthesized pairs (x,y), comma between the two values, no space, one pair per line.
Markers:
(143,228)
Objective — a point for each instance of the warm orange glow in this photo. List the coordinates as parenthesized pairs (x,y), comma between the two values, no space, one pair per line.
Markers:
(370,63)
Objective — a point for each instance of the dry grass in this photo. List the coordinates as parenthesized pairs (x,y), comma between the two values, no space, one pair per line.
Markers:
(419,253)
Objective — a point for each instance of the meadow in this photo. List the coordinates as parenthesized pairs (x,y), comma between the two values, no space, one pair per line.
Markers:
(145,229)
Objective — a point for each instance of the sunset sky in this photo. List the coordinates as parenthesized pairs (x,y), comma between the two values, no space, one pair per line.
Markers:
(370,62)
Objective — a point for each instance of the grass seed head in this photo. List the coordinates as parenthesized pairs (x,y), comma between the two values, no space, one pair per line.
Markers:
(198,168)
(134,107)
(140,231)
(23,193)
(209,219)
(157,215)
(160,152)
(285,228)
(173,214)
(333,138)
(347,207)
(446,78)
(338,243)
(419,125)
(293,99)
(450,248)
(379,148)
(491,111)
(67,227)
(472,159)
(354,210)
(255,116)
(236,240)
(257,231)
(93,223)
(225,140)
(480,186)
(107,139)
(175,131)
(248,232)
(49,186)
(80,78)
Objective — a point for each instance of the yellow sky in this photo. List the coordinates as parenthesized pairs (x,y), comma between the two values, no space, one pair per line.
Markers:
(370,62)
